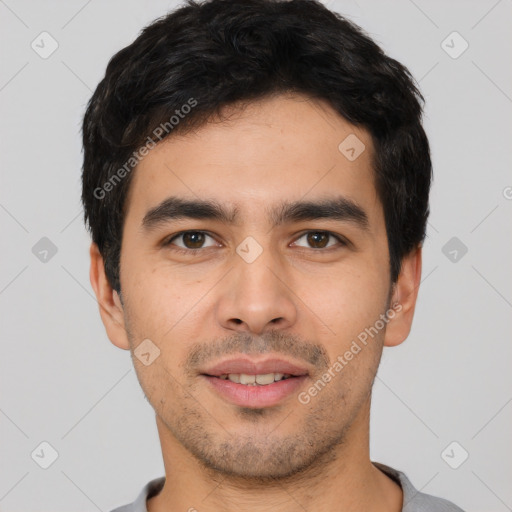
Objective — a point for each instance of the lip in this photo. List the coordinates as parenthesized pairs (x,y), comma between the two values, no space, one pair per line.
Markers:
(251,367)
(256,397)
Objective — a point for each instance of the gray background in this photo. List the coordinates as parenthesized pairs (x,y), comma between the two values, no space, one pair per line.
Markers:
(62,381)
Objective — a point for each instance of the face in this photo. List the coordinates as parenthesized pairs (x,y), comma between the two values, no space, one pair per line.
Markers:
(279,267)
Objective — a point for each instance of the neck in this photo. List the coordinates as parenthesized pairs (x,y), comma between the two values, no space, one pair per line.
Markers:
(341,479)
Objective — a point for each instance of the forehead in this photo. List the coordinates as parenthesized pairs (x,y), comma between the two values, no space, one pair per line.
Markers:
(280,149)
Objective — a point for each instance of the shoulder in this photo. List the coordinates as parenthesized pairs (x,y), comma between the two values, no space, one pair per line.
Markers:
(139,505)
(414,500)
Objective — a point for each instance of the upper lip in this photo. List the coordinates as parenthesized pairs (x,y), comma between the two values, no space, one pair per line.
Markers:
(251,367)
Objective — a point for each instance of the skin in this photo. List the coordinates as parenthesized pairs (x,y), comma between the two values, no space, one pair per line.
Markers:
(297,299)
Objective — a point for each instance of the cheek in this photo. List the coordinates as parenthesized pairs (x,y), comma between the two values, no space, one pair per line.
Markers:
(155,296)
(166,310)
(349,301)
(351,307)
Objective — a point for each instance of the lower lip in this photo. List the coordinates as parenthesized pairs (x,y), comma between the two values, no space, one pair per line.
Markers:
(256,396)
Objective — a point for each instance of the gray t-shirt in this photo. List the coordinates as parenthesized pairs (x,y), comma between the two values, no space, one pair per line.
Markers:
(414,501)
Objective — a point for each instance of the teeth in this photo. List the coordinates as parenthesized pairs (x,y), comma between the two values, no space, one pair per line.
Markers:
(268,378)
(253,380)
(247,379)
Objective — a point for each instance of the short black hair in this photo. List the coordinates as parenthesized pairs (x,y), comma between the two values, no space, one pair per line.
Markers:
(187,65)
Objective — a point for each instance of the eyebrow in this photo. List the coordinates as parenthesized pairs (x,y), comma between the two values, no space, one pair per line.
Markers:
(338,208)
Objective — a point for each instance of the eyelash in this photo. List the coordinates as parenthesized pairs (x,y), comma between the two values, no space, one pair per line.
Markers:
(181,250)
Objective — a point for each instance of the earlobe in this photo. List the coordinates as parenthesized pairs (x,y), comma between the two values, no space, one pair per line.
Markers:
(111,309)
(403,300)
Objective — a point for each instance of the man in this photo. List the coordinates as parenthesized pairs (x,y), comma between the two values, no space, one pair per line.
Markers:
(256,183)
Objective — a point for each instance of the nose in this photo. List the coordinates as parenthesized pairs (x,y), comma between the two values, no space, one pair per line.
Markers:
(257,296)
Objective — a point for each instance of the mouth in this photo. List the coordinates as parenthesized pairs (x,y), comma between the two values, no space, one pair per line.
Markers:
(255,384)
(263,379)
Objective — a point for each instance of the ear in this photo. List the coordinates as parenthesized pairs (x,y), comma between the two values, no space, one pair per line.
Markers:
(111,309)
(403,299)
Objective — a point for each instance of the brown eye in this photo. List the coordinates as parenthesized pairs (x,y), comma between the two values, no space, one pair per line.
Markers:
(191,240)
(320,239)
